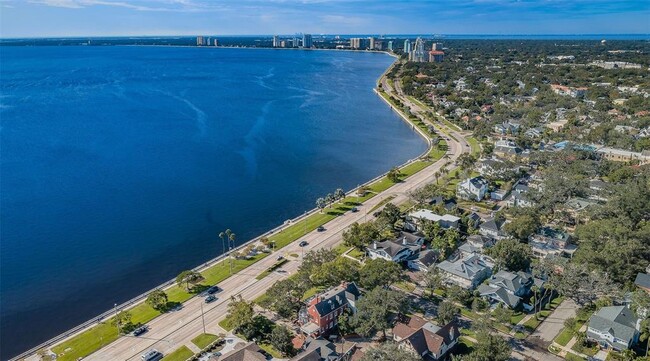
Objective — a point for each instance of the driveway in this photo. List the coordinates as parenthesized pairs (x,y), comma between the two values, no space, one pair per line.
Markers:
(554,323)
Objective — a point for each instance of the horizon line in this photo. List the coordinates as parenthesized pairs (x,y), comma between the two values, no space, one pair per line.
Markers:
(322,34)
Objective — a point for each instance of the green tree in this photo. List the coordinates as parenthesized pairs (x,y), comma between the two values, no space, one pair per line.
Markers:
(240,313)
(285,297)
(185,278)
(502,314)
(394,175)
(360,235)
(433,279)
(281,339)
(388,351)
(122,320)
(379,273)
(375,309)
(388,216)
(522,226)
(511,254)
(321,203)
(157,299)
(447,312)
(334,272)
(489,348)
(315,259)
(339,194)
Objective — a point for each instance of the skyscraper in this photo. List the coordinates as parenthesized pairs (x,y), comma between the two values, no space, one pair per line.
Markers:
(390,45)
(355,43)
(436,46)
(306,41)
(371,43)
(407,47)
(276,41)
(419,55)
(199,41)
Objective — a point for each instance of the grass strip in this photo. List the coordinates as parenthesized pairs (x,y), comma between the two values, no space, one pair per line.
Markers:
(268,271)
(182,354)
(204,340)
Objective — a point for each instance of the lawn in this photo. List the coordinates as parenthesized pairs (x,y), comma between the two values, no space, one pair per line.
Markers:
(268,271)
(405,286)
(564,337)
(473,143)
(181,354)
(517,317)
(270,349)
(355,253)
(311,292)
(225,324)
(204,340)
(532,323)
(571,357)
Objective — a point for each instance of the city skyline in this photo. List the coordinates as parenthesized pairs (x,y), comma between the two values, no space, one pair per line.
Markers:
(58,18)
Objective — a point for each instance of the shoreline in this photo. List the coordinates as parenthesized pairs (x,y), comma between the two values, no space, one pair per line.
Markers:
(139,299)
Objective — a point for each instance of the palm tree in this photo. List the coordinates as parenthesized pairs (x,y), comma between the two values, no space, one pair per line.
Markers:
(223,242)
(231,238)
(437,175)
(329,198)
(339,193)
(321,203)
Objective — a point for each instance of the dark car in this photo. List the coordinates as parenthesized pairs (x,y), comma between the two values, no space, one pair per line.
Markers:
(213,290)
(303,243)
(279,258)
(210,298)
(320,228)
(140,330)
(355,209)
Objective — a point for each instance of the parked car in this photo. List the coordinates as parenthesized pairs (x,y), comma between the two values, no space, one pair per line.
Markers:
(140,330)
(279,258)
(320,228)
(213,290)
(210,298)
(303,243)
(354,209)
(152,355)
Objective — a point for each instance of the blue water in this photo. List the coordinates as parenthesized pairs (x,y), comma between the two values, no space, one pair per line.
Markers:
(120,165)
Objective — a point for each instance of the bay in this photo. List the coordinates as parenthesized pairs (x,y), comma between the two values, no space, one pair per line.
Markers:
(120,165)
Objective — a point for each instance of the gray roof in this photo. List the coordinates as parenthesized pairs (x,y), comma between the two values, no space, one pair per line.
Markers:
(492,225)
(642,280)
(618,321)
(467,267)
(318,350)
(428,257)
(393,248)
(500,293)
(511,281)
(337,297)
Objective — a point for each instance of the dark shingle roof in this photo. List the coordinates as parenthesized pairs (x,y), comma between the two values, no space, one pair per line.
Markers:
(642,280)
(336,297)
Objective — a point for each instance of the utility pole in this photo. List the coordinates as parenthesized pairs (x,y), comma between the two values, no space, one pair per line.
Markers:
(202,317)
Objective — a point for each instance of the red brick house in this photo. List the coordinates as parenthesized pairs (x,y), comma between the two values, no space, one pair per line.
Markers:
(321,312)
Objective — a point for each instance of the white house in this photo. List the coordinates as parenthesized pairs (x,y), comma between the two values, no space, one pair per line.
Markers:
(467,271)
(614,327)
(445,221)
(392,250)
(473,189)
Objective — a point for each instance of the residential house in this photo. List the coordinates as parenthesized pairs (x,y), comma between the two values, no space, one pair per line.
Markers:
(491,167)
(397,250)
(473,189)
(445,221)
(423,338)
(492,228)
(499,194)
(475,244)
(467,271)
(620,155)
(423,260)
(534,132)
(643,281)
(614,327)
(506,149)
(551,242)
(518,196)
(509,288)
(321,312)
(509,127)
(318,350)
(565,90)
(243,351)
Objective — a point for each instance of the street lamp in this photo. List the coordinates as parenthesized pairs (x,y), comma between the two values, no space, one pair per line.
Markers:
(117,321)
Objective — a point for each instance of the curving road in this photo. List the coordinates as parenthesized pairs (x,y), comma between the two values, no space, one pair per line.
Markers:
(170,331)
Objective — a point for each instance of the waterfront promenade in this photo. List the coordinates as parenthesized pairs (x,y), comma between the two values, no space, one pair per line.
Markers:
(172,330)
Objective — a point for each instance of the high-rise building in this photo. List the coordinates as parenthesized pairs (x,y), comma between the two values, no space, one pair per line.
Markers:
(216,42)
(436,56)
(199,41)
(407,47)
(306,41)
(276,41)
(296,41)
(355,43)
(371,43)
(419,54)
(436,46)
(390,45)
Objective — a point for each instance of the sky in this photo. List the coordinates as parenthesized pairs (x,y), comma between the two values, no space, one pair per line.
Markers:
(58,18)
